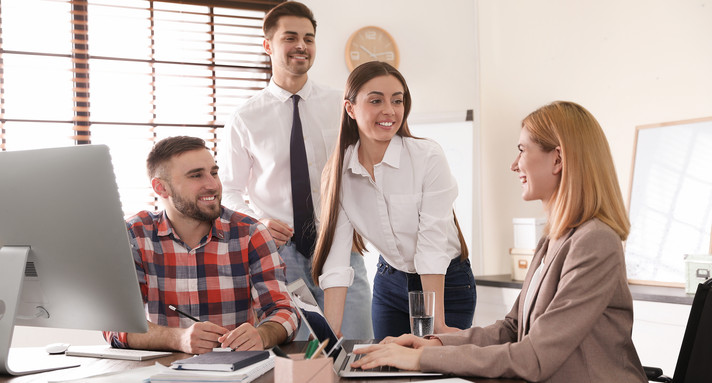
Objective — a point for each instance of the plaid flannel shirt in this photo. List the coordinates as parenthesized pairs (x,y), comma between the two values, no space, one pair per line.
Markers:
(233,276)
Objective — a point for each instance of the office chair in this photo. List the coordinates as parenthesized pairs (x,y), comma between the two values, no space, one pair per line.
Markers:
(694,363)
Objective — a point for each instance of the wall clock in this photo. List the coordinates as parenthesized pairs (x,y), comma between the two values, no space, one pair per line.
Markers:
(371,44)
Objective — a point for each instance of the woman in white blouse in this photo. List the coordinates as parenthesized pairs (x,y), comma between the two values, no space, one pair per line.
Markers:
(397,192)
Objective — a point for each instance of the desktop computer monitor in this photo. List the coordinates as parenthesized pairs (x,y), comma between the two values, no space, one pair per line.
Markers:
(64,249)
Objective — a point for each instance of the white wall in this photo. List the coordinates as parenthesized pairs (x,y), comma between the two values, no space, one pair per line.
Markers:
(436,44)
(629,62)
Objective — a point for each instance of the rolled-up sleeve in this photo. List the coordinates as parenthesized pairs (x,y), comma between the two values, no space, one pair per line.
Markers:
(337,270)
(270,297)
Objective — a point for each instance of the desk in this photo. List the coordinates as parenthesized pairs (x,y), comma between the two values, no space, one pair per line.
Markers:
(95,366)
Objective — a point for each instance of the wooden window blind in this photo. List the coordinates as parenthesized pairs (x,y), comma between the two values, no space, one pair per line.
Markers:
(126,73)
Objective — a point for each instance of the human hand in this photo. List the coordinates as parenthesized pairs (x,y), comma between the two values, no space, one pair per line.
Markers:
(200,338)
(280,231)
(244,337)
(410,340)
(389,354)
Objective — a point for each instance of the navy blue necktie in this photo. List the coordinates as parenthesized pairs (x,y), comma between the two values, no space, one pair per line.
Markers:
(302,205)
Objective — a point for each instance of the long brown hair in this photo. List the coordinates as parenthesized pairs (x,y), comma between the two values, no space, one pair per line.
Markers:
(331,176)
(589,185)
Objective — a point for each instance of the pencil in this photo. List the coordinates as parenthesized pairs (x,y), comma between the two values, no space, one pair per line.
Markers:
(194,319)
(319,349)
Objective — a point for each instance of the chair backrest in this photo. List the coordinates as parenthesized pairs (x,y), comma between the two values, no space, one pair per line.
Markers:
(694,364)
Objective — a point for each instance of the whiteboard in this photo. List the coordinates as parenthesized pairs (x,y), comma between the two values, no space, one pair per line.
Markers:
(671,200)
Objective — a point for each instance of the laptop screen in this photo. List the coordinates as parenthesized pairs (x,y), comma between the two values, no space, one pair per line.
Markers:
(312,315)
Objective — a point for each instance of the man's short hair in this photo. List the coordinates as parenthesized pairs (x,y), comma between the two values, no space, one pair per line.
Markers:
(166,149)
(289,8)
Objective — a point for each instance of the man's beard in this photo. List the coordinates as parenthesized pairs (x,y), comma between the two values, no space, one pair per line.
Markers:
(191,209)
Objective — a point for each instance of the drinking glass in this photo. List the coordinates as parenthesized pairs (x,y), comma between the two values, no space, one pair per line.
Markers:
(422,312)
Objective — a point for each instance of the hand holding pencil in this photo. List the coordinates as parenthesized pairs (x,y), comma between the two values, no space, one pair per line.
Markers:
(199,338)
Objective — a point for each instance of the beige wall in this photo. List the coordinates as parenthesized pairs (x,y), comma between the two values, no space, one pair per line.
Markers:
(629,62)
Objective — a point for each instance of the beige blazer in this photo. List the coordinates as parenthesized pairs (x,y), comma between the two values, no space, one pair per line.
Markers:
(579,324)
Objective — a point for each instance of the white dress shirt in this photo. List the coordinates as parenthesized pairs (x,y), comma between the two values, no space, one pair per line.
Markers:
(254,160)
(406,213)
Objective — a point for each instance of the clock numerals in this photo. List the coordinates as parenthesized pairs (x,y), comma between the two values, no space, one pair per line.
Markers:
(355,55)
(370,35)
(390,56)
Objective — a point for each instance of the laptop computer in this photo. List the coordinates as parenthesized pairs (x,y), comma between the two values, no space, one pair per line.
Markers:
(320,329)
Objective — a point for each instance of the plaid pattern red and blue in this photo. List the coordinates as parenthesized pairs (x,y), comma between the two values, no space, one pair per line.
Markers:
(235,275)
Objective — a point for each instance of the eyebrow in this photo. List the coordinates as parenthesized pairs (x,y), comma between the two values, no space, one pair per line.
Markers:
(198,170)
(297,34)
(381,93)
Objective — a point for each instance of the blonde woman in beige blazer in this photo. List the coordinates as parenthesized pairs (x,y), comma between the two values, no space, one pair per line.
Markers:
(573,319)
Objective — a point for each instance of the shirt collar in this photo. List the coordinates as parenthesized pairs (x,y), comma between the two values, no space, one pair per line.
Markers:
(393,152)
(391,157)
(283,95)
(164,227)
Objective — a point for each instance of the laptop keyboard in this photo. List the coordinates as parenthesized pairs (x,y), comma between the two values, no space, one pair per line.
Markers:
(377,369)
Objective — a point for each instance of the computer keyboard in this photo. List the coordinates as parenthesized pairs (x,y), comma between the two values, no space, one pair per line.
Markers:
(376,369)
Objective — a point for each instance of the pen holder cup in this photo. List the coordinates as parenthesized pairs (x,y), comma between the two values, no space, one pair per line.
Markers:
(300,370)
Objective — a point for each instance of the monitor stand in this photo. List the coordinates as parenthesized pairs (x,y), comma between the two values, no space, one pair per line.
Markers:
(13,259)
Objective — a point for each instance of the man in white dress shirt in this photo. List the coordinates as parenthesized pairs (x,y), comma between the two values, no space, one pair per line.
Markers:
(255,159)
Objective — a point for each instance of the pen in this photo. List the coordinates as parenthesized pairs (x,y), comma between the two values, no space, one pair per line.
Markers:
(316,353)
(182,313)
(278,351)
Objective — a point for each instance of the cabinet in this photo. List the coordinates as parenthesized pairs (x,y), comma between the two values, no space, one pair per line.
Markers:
(658,327)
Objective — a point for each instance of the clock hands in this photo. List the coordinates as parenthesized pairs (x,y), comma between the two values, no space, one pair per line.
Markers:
(367,51)
(374,55)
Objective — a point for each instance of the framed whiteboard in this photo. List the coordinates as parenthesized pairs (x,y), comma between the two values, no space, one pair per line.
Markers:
(670,200)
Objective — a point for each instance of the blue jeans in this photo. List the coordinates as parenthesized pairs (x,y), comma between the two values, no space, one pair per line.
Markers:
(356,323)
(390,298)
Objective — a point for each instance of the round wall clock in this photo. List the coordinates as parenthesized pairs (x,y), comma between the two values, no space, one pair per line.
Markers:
(371,44)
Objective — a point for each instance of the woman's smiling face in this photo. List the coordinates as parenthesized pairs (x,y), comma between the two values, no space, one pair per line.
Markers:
(539,171)
(378,109)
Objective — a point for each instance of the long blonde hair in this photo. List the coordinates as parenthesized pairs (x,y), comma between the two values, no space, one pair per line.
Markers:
(331,176)
(589,185)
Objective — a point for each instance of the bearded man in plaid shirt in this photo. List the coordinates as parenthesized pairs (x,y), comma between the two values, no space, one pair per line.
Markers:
(219,266)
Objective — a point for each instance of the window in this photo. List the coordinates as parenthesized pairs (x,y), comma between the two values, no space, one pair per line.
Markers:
(126,73)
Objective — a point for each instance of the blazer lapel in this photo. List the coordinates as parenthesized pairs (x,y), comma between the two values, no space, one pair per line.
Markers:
(551,250)
(526,286)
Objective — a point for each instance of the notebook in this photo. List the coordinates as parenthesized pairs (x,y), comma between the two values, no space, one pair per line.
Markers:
(221,361)
(108,352)
(319,328)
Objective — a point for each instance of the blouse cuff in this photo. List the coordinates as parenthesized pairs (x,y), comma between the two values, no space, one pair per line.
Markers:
(431,264)
(337,277)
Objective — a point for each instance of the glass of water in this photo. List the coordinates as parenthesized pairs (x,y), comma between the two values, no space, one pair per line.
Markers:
(422,312)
